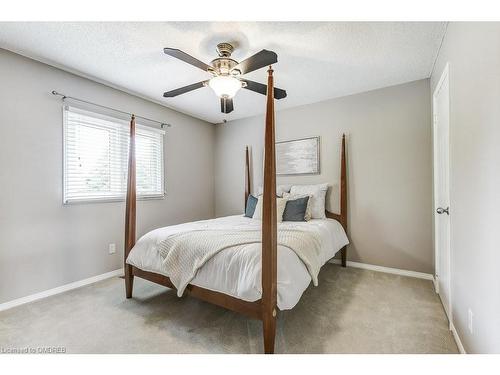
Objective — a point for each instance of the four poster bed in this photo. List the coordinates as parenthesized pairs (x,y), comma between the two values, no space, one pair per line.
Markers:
(242,277)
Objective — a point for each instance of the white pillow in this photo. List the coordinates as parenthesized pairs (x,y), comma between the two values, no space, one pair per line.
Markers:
(317,198)
(291,197)
(280,189)
(280,208)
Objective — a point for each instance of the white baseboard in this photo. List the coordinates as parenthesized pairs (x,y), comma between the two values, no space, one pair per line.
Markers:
(118,272)
(436,285)
(396,271)
(453,330)
(60,289)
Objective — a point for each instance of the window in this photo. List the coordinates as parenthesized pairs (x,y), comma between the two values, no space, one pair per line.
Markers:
(96,158)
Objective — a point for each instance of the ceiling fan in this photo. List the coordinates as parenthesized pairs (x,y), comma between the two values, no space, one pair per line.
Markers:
(226,74)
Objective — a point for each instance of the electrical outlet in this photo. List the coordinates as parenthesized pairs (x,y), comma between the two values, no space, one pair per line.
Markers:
(112,248)
(470,321)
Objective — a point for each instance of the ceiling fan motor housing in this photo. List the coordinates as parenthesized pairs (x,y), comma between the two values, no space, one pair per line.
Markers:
(224,49)
(224,63)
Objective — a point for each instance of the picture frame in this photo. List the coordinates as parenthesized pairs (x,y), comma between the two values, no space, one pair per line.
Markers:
(298,157)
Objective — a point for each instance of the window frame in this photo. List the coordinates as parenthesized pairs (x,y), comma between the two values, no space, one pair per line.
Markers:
(139,126)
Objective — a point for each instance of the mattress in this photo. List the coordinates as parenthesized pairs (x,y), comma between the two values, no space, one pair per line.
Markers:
(236,271)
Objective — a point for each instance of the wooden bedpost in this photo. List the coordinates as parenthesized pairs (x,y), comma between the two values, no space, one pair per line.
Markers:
(130,210)
(343,198)
(269,226)
(247,176)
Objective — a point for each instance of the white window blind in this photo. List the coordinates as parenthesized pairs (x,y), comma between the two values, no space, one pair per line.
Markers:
(96,158)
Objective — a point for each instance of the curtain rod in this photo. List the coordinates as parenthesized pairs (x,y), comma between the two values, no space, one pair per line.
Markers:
(162,124)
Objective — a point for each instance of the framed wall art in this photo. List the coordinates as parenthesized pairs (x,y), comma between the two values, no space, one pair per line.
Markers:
(299,156)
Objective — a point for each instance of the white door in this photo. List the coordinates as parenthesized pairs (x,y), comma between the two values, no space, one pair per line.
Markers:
(441,125)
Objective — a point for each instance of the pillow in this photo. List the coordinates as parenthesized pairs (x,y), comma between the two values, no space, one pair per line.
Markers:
(250,208)
(295,210)
(280,189)
(280,207)
(318,198)
(307,215)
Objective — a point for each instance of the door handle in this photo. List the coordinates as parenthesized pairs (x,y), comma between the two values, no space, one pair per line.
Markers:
(441,210)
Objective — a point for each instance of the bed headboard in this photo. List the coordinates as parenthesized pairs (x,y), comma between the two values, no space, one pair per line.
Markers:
(342,216)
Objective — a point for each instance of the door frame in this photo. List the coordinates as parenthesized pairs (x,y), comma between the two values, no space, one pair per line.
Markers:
(444,77)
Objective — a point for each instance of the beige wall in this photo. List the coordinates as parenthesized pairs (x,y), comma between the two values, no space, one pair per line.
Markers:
(44,244)
(389,165)
(473,53)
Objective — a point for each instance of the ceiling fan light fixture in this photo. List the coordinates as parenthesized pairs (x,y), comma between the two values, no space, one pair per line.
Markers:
(225,86)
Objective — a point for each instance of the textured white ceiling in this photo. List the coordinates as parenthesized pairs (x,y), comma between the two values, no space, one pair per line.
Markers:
(316,60)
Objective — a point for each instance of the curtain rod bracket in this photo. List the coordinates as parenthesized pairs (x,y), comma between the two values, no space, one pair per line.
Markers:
(54,92)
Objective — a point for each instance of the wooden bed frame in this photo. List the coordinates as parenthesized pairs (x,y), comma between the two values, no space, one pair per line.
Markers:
(264,309)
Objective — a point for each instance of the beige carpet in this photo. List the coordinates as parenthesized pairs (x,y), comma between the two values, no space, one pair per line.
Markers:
(351,311)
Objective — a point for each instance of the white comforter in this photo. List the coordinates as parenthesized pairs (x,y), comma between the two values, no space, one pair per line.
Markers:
(236,271)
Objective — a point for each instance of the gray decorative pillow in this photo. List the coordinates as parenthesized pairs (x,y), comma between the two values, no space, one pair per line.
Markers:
(295,210)
(292,197)
(251,204)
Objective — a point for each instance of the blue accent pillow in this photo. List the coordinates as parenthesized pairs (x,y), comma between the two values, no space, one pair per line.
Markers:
(295,210)
(251,204)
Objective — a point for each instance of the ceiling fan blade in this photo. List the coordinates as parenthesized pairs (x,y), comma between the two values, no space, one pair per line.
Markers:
(257,61)
(183,90)
(178,54)
(226,105)
(262,89)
